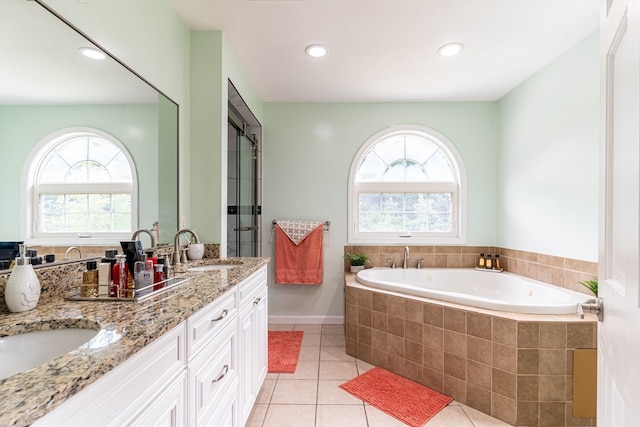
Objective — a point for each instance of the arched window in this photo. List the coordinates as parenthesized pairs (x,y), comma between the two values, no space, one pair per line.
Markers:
(407,185)
(82,185)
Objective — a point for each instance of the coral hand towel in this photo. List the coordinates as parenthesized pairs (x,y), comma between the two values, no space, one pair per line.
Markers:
(300,263)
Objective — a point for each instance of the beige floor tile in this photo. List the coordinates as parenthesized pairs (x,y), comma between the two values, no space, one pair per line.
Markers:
(295,392)
(377,418)
(305,370)
(335,354)
(308,329)
(256,417)
(272,376)
(480,419)
(309,340)
(333,329)
(363,366)
(309,353)
(451,416)
(336,340)
(338,370)
(341,415)
(280,327)
(290,416)
(329,393)
(264,395)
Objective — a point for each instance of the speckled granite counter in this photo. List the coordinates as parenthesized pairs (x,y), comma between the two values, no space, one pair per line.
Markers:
(124,329)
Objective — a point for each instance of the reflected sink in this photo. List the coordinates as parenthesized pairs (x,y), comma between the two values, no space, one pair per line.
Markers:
(213,267)
(22,352)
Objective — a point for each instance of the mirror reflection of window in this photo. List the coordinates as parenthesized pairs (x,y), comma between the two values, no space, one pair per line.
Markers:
(83,184)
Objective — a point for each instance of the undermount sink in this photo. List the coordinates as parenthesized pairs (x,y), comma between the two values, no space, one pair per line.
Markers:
(213,267)
(22,352)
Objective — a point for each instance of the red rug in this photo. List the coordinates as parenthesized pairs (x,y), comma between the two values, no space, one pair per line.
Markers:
(405,400)
(284,349)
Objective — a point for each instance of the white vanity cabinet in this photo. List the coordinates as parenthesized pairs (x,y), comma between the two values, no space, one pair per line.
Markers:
(253,339)
(147,389)
(207,371)
(213,363)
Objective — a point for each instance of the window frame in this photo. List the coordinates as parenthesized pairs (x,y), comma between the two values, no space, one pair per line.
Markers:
(30,202)
(458,189)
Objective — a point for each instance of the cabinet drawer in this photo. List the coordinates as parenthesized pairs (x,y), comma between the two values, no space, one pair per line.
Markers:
(208,321)
(213,372)
(252,284)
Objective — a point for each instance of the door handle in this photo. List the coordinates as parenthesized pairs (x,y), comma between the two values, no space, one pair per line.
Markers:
(245,228)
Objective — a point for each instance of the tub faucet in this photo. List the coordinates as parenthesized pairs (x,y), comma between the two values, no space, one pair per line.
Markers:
(72,248)
(176,243)
(136,233)
(406,257)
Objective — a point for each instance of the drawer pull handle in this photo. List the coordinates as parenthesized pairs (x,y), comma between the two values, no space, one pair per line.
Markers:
(257,301)
(225,369)
(222,316)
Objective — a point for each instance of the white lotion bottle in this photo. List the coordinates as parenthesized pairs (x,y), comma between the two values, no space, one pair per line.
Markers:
(23,287)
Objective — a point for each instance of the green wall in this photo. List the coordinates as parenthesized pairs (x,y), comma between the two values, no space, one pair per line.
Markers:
(548,158)
(24,127)
(308,150)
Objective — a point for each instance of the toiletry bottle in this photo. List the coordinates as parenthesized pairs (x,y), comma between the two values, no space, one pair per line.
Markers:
(104,279)
(481,261)
(22,291)
(158,277)
(89,287)
(497,265)
(143,276)
(488,263)
(120,277)
(151,256)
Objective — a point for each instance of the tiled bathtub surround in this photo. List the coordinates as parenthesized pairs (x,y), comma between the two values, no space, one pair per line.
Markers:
(563,272)
(514,367)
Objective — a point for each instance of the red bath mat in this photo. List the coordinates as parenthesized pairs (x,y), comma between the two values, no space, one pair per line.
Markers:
(284,349)
(405,400)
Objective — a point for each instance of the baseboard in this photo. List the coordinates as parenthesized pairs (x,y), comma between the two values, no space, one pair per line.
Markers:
(309,320)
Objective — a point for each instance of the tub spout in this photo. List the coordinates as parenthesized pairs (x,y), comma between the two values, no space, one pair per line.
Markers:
(406,257)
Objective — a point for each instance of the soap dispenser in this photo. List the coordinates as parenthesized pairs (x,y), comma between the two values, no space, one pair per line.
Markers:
(22,291)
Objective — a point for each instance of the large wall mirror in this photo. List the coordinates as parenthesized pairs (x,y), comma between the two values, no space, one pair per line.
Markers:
(47,86)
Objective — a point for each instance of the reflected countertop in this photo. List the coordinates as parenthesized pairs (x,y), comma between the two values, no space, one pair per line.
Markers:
(124,329)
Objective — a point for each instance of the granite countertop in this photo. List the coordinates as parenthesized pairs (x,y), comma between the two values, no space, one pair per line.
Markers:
(124,328)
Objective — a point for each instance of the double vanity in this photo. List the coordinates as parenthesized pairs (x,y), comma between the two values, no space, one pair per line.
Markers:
(195,354)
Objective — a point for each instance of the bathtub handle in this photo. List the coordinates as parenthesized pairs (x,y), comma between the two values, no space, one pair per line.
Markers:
(393,263)
(594,305)
(419,266)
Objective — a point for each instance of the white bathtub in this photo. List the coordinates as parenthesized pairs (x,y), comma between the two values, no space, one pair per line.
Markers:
(484,289)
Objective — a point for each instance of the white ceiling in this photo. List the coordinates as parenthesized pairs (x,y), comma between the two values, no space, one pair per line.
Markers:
(386,50)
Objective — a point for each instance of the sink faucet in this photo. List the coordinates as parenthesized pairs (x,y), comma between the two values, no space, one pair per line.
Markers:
(72,248)
(406,257)
(176,243)
(143,230)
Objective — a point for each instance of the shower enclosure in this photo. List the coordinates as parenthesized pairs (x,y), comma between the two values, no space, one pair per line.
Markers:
(243,180)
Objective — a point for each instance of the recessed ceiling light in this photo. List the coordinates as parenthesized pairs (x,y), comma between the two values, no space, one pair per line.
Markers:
(451,49)
(316,50)
(92,52)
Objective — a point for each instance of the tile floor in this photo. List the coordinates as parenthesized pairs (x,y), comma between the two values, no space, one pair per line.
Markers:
(311,397)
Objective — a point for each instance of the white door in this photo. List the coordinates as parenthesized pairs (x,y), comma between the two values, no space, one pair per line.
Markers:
(619,333)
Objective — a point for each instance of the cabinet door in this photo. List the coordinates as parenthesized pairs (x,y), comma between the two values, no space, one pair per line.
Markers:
(168,409)
(253,355)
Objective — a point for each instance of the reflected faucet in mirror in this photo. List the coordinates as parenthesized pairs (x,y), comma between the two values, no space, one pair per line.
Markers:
(67,254)
(136,233)
(176,243)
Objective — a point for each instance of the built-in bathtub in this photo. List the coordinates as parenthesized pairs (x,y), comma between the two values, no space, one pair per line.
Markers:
(484,289)
(514,366)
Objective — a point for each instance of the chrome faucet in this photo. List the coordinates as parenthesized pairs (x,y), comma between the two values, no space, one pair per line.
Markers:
(72,248)
(176,243)
(136,233)
(406,257)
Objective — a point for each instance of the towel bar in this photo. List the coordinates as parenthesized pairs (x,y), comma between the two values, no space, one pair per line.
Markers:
(326,224)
